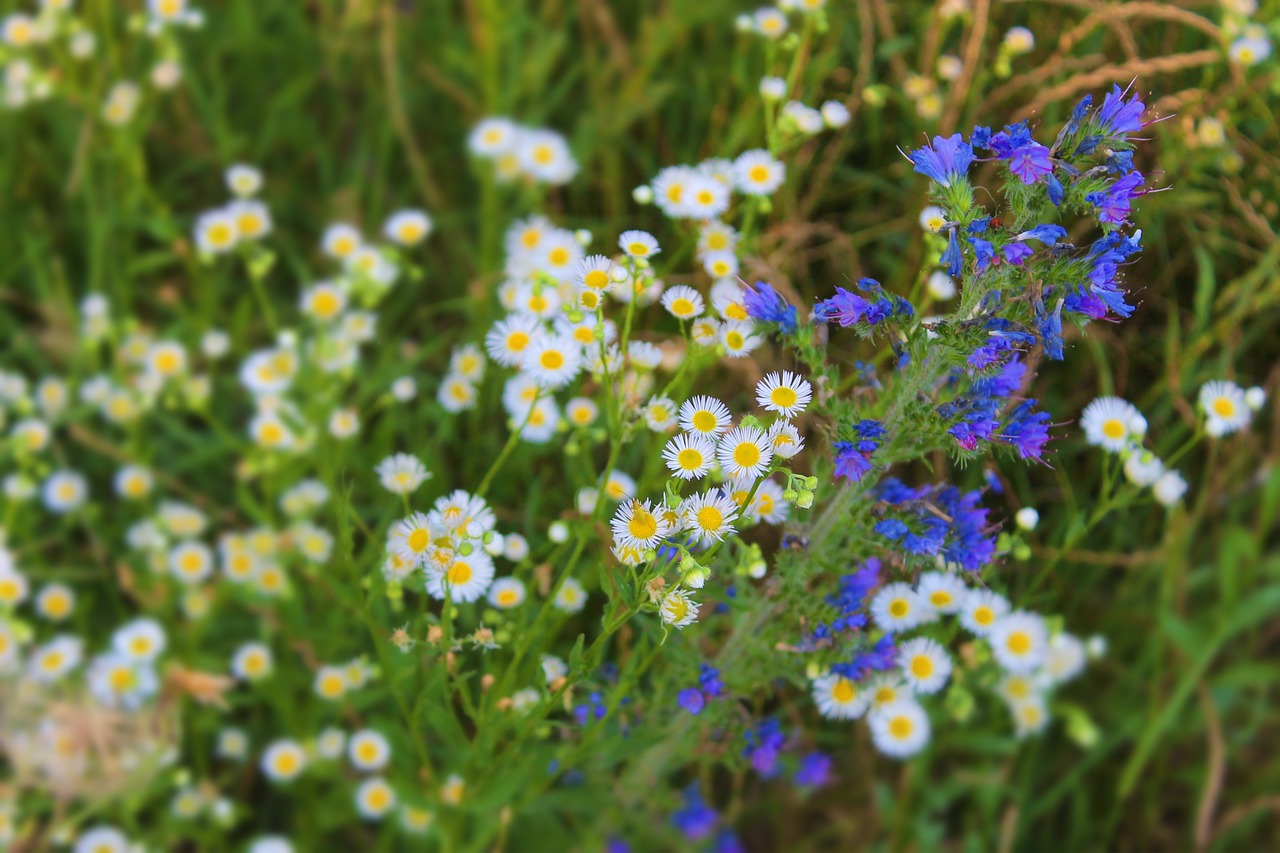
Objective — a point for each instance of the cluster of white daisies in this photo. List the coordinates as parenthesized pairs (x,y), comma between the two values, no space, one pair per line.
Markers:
(1118,427)
(536,154)
(1033,662)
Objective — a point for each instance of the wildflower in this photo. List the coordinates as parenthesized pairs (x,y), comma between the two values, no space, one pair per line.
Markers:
(1169,488)
(835,114)
(695,820)
(1108,423)
(709,516)
(678,609)
(925,665)
(507,593)
(368,750)
(121,682)
(570,597)
(407,227)
(839,697)
(1250,50)
(283,761)
(689,455)
(215,232)
(341,241)
(330,683)
(374,798)
(1030,715)
(757,173)
(660,414)
(141,640)
(64,491)
(1019,40)
(1018,641)
(55,602)
(947,161)
(191,562)
(785,439)
(942,590)
(769,22)
(1225,407)
(745,453)
(251,662)
(466,578)
(636,524)
(897,607)
(1064,660)
(453,790)
(766,305)
(638,244)
(102,839)
(899,728)
(51,661)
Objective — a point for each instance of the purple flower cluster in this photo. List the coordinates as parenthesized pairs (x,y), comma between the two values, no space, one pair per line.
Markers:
(765,743)
(853,458)
(694,699)
(939,519)
(850,600)
(883,655)
(765,304)
(848,308)
(946,161)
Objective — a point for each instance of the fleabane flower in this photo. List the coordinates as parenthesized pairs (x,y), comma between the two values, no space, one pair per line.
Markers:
(785,393)
(368,750)
(411,538)
(897,607)
(924,664)
(758,173)
(553,361)
(839,697)
(1109,422)
(709,516)
(944,591)
(745,453)
(407,227)
(401,473)
(244,180)
(660,413)
(1225,408)
(683,302)
(507,593)
(900,728)
(678,609)
(979,610)
(705,415)
(283,761)
(739,338)
(216,232)
(466,579)
(689,455)
(1019,641)
(637,524)
(638,244)
(510,339)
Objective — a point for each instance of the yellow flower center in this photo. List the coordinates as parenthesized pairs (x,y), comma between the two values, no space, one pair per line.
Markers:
(325,304)
(642,525)
(517,341)
(410,232)
(552,360)
(637,249)
(734,311)
(508,597)
(898,608)
(558,257)
(710,519)
(1018,642)
(717,241)
(121,679)
(542,155)
(1224,408)
(8,590)
(677,609)
(378,799)
(758,174)
(734,340)
(286,763)
(689,459)
(783,397)
(459,573)
(167,362)
(418,540)
(984,615)
(367,751)
(704,421)
(531,238)
(1113,428)
(220,234)
(921,666)
(940,598)
(900,727)
(843,691)
(682,307)
(746,454)
(596,279)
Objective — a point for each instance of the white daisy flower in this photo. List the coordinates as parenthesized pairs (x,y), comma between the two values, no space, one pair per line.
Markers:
(411,538)
(1169,488)
(166,359)
(705,332)
(839,698)
(932,218)
(745,453)
(142,640)
(544,155)
(407,227)
(785,393)
(341,241)
(705,198)
(705,416)
(757,173)
(102,839)
(619,486)
(660,414)
(1225,408)
(689,455)
(637,524)
(283,761)
(191,562)
(374,798)
(1108,422)
(1064,660)
(401,473)
(51,661)
(1143,468)
(492,137)
(683,302)
(64,491)
(716,237)
(900,728)
(581,411)
(251,662)
(897,607)
(456,394)
(216,232)
(466,580)
(768,505)
(252,219)
(638,244)
(540,422)
(739,339)
(1030,716)
(769,22)
(1019,641)
(709,516)
(720,265)
(944,591)
(507,593)
(14,587)
(925,665)
(55,602)
(324,301)
(643,355)
(571,597)
(785,439)
(678,609)
(509,340)
(368,750)
(243,180)
(980,609)
(670,192)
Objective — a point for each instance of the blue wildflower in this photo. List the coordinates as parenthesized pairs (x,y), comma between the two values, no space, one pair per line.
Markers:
(1056,192)
(1049,325)
(692,700)
(946,161)
(1015,253)
(814,770)
(952,258)
(983,252)
(1026,431)
(1118,116)
(1048,234)
(767,305)
(1031,163)
(765,743)
(1114,202)
(696,821)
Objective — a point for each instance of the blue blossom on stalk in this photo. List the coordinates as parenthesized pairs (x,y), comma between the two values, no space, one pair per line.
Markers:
(1115,202)
(765,743)
(1015,253)
(952,258)
(1117,116)
(1026,431)
(1049,326)
(853,458)
(1103,294)
(696,820)
(814,770)
(765,304)
(946,161)
(983,252)
(694,699)
(1002,338)
(850,600)
(883,655)
(1056,192)
(944,521)
(849,308)
(594,709)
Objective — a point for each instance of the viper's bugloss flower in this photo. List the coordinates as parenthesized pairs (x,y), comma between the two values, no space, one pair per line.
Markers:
(946,161)
(1114,203)
(765,304)
(765,743)
(814,770)
(1026,431)
(696,820)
